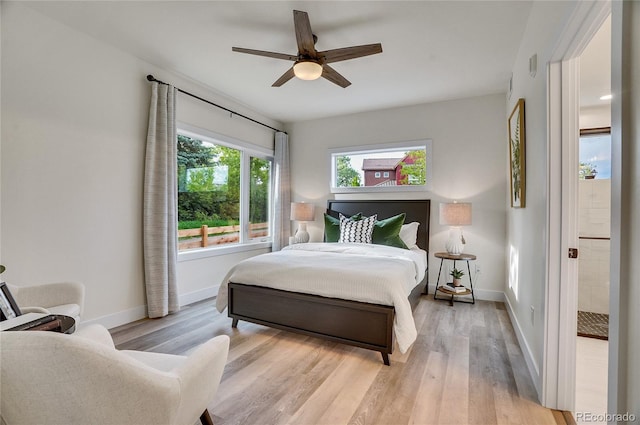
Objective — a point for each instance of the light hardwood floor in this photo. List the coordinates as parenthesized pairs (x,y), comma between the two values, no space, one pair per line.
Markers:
(591,379)
(465,368)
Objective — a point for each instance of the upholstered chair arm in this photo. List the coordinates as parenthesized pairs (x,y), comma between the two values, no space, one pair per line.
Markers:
(96,333)
(101,384)
(25,310)
(50,294)
(196,374)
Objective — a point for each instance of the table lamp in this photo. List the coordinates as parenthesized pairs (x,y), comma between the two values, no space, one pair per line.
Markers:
(456,215)
(302,212)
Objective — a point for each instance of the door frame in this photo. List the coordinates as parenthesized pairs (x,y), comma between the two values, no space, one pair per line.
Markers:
(558,379)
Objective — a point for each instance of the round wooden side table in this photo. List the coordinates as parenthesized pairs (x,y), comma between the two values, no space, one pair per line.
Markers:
(440,288)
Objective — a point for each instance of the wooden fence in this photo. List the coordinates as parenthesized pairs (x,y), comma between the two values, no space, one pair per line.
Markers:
(208,236)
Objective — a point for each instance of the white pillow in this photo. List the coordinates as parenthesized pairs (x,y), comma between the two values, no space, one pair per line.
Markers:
(409,234)
(356,231)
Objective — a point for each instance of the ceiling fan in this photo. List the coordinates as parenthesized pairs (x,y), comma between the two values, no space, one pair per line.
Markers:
(309,63)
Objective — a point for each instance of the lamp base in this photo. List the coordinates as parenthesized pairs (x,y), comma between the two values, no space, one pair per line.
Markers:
(302,236)
(454,248)
(455,244)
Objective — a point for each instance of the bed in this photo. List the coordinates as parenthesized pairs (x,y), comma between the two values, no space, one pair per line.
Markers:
(367,325)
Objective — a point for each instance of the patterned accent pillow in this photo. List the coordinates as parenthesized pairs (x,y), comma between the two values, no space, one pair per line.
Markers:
(356,231)
(332,227)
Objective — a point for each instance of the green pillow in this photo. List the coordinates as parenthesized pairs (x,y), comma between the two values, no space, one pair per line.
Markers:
(332,227)
(387,231)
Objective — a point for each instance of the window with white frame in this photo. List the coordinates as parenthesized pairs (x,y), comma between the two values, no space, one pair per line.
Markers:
(224,191)
(406,166)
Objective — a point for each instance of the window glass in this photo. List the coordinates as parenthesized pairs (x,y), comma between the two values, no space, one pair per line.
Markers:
(402,166)
(210,200)
(595,156)
(259,196)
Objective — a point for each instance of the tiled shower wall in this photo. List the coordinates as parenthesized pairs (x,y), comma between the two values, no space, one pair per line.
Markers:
(594,247)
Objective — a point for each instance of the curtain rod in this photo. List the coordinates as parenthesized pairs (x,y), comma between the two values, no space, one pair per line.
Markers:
(152,78)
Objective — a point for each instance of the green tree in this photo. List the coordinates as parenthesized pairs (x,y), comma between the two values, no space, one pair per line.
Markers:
(192,153)
(200,179)
(259,190)
(199,198)
(346,175)
(414,171)
(229,197)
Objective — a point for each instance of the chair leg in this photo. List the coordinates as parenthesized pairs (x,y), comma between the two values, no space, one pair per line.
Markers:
(205,418)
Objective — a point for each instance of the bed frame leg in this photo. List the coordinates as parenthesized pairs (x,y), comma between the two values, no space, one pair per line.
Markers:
(234,323)
(385,359)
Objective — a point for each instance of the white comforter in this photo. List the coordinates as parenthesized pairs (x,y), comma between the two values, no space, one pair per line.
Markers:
(369,273)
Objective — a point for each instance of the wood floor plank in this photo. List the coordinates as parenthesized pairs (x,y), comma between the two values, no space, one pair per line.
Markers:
(428,402)
(454,408)
(333,401)
(481,399)
(466,367)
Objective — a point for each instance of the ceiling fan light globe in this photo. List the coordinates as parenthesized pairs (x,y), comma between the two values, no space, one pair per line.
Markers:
(307,70)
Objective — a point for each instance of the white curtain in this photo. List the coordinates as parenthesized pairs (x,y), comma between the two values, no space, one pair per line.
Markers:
(282,193)
(160,203)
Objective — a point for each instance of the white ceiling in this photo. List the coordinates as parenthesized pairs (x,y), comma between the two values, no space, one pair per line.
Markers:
(595,68)
(432,50)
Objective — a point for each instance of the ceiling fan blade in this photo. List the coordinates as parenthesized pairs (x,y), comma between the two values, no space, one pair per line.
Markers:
(333,76)
(337,55)
(304,36)
(284,78)
(267,54)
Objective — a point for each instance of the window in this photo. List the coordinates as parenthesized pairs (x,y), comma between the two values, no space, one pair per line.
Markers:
(224,191)
(382,168)
(595,153)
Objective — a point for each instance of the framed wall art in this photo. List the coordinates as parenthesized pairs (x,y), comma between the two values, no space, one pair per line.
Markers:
(517,155)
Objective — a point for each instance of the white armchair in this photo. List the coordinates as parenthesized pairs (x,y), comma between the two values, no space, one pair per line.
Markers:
(66,298)
(52,378)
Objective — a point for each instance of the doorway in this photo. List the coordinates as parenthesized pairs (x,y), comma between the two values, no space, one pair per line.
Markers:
(594,227)
(563,300)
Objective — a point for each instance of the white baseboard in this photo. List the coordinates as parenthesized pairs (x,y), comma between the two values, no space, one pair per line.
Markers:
(199,295)
(532,365)
(118,319)
(137,313)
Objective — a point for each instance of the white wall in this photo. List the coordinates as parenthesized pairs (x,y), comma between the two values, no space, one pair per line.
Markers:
(469,163)
(74,115)
(595,116)
(526,234)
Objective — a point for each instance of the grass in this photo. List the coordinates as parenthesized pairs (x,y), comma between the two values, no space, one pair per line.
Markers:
(196,224)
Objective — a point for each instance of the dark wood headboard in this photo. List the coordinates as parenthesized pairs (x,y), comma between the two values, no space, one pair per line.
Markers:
(416,210)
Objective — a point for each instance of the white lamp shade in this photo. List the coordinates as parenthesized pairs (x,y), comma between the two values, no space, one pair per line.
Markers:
(455,214)
(307,70)
(302,211)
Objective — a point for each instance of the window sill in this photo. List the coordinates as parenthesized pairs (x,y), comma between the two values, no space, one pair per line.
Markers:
(197,254)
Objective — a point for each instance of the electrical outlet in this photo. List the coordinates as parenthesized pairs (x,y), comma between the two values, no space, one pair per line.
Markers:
(477,267)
